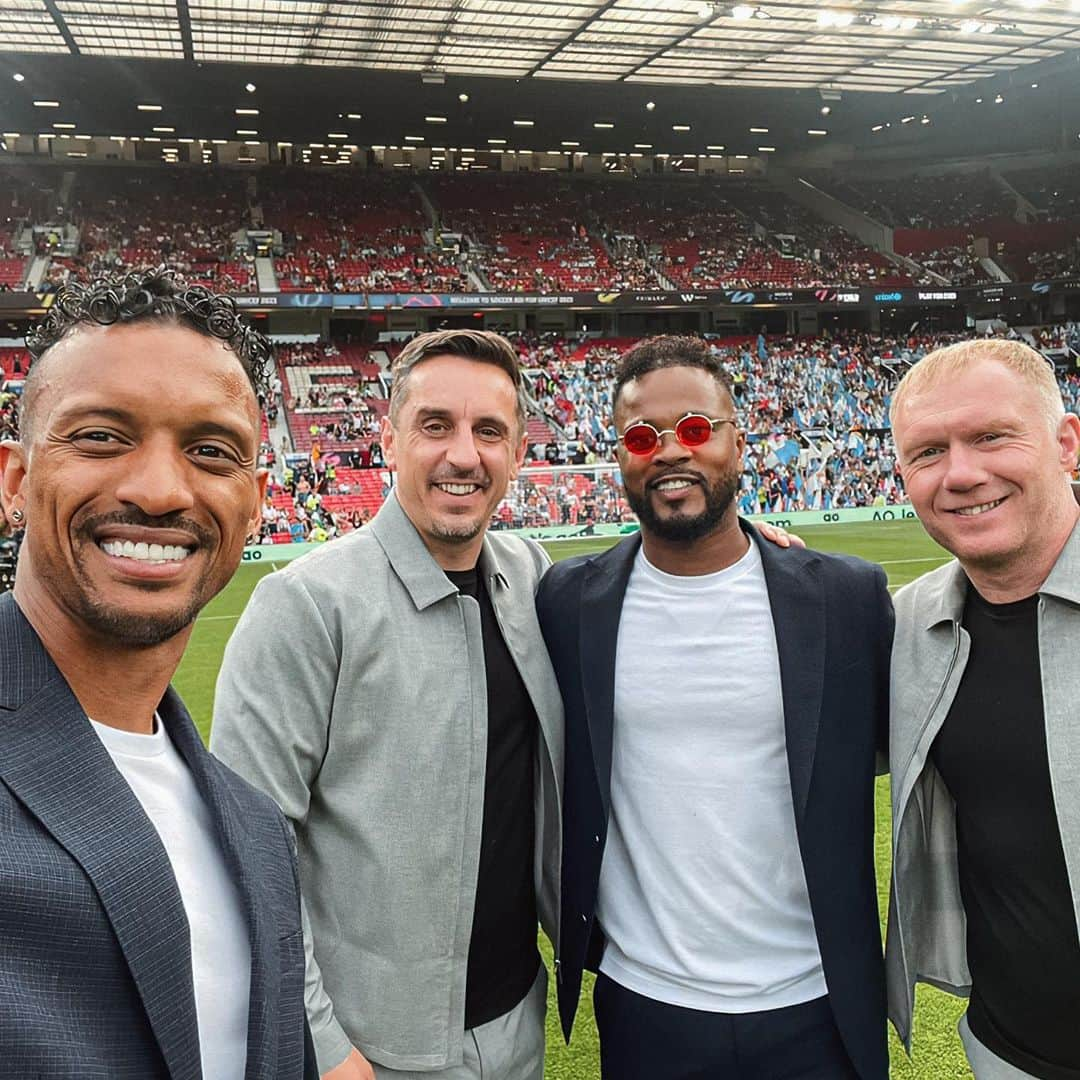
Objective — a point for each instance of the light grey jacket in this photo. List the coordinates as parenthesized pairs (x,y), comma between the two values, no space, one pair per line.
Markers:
(927,934)
(353,692)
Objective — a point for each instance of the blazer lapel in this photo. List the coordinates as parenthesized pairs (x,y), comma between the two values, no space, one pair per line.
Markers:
(601,608)
(797,599)
(55,764)
(246,870)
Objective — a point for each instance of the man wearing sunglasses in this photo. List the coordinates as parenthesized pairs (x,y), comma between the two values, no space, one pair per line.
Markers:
(724,703)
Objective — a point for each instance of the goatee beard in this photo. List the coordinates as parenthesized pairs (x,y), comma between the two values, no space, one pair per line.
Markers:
(686,528)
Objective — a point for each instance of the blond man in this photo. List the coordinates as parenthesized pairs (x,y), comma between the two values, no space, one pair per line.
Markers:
(985,739)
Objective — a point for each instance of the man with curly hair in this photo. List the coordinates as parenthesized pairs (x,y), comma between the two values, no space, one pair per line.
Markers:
(149,909)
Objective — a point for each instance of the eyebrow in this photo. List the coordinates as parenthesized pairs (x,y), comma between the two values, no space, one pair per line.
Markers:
(123,416)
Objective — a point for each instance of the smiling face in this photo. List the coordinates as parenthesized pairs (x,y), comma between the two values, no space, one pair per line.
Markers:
(137,477)
(456,443)
(986,468)
(680,493)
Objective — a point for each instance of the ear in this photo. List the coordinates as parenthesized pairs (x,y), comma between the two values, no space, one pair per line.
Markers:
(262,477)
(519,456)
(1068,438)
(13,471)
(386,440)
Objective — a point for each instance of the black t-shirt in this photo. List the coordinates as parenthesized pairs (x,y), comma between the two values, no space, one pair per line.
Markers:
(1022,942)
(503,957)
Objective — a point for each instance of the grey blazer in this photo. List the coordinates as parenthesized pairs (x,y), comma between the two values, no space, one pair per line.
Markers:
(95,952)
(926,939)
(353,692)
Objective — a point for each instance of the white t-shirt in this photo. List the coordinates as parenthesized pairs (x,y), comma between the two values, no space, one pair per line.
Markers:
(220,948)
(702,892)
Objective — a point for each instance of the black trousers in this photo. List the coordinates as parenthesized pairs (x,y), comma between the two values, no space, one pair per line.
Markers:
(643,1039)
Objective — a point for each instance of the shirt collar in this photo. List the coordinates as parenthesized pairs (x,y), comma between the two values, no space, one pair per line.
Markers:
(410,559)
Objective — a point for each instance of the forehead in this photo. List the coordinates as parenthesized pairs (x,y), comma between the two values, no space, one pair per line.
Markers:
(456,384)
(668,393)
(983,391)
(151,369)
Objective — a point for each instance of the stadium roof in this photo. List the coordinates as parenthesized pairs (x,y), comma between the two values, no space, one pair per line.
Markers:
(918,46)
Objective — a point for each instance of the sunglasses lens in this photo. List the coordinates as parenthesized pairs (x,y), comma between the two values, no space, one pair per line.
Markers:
(693,431)
(639,439)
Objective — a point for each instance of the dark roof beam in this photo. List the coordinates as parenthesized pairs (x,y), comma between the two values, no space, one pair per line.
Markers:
(572,36)
(62,26)
(183,19)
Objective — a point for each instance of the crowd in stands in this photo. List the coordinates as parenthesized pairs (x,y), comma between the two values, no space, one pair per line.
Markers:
(1053,190)
(9,415)
(530,233)
(696,238)
(333,398)
(349,232)
(1045,265)
(370,231)
(843,259)
(957,265)
(814,410)
(924,202)
(135,219)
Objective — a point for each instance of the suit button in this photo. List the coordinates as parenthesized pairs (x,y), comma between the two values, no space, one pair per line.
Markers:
(584,918)
(597,839)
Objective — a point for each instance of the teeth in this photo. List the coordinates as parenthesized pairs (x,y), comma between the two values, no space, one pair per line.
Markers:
(673,485)
(151,553)
(458,489)
(973,511)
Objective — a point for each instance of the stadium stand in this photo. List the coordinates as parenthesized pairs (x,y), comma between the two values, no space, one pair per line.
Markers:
(349,233)
(131,218)
(530,233)
(926,202)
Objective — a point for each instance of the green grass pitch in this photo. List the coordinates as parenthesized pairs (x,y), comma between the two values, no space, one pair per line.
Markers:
(901,547)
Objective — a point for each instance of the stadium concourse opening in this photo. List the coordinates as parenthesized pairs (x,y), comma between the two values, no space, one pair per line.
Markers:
(825,193)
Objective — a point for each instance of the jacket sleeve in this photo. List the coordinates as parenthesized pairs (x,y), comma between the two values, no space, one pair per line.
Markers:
(272,710)
(885,619)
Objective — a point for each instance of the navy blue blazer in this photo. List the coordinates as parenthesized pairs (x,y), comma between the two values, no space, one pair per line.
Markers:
(95,955)
(833,620)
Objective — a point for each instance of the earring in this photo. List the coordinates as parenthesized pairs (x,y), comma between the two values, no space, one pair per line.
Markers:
(17,516)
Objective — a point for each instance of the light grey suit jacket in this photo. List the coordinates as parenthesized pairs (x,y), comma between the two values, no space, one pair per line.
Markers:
(354,693)
(927,937)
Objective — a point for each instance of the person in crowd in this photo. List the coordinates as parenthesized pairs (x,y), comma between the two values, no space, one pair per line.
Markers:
(149,908)
(392,693)
(724,705)
(985,748)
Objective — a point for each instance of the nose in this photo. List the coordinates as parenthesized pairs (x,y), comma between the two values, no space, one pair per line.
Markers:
(461,450)
(963,469)
(669,451)
(157,479)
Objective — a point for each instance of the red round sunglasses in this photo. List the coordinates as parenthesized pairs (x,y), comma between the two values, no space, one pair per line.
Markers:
(694,429)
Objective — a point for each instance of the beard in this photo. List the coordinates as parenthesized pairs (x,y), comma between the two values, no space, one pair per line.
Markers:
(458,534)
(131,630)
(121,625)
(682,528)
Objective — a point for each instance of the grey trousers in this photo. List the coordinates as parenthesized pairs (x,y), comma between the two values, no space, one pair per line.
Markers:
(510,1047)
(985,1064)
